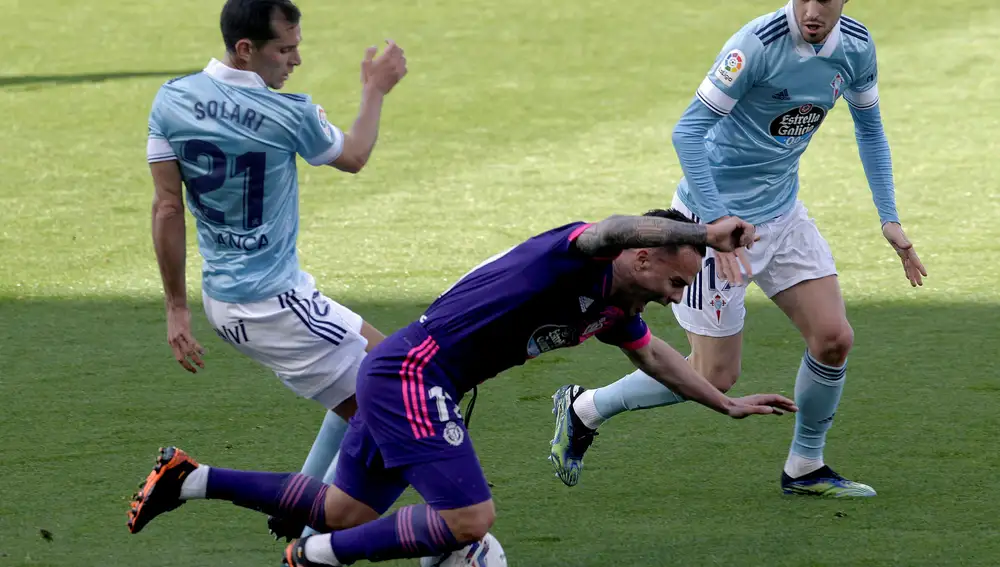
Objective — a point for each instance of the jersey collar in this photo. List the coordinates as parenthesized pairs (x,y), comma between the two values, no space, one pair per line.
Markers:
(802,47)
(222,72)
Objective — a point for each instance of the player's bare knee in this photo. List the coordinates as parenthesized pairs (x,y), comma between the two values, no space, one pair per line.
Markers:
(475,526)
(721,373)
(470,523)
(724,376)
(342,511)
(832,343)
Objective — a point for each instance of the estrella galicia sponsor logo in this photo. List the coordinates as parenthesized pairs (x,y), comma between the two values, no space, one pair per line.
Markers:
(551,337)
(797,124)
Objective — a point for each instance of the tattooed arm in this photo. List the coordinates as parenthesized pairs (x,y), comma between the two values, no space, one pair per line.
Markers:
(617,233)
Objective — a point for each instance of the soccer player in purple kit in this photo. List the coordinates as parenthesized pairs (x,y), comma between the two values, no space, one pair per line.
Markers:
(552,291)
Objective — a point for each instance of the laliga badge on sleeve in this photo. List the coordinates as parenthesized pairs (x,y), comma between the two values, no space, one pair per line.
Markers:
(731,66)
(323,122)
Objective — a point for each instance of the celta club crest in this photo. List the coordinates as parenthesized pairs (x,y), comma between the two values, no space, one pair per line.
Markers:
(718,303)
(837,83)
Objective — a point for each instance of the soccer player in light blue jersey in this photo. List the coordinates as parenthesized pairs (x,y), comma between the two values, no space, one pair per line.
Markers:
(232,141)
(739,144)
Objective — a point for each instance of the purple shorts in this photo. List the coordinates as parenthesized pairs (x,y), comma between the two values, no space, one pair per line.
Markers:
(408,430)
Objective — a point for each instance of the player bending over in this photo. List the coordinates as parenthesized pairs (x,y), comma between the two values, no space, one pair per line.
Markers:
(739,144)
(232,141)
(552,291)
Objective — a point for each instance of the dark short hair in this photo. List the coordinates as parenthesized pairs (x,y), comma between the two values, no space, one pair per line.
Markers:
(251,19)
(675,215)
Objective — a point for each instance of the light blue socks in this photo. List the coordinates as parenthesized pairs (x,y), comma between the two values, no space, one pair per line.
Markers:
(325,447)
(633,392)
(818,388)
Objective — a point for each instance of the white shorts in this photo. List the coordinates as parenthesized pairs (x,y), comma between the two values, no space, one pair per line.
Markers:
(790,251)
(311,342)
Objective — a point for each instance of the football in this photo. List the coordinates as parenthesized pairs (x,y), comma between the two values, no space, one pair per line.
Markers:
(486,552)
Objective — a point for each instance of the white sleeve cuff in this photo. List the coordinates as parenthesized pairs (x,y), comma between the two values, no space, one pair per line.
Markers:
(713,97)
(331,153)
(863,100)
(158,149)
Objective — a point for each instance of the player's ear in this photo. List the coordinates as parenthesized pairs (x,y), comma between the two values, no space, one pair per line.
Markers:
(244,49)
(642,259)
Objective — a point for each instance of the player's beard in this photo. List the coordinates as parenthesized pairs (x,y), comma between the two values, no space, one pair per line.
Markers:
(634,300)
(824,23)
(631,300)
(276,77)
(822,31)
(282,76)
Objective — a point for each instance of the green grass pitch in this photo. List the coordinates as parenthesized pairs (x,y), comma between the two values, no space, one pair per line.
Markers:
(515,117)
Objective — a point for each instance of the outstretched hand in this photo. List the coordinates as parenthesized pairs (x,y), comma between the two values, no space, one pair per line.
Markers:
(760,404)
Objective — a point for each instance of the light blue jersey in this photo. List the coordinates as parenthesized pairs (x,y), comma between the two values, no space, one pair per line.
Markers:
(236,142)
(761,103)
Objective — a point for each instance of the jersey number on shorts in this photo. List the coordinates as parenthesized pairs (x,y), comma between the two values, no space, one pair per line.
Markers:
(250,164)
(442,398)
(710,264)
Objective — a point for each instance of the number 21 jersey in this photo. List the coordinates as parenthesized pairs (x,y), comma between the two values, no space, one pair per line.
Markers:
(236,142)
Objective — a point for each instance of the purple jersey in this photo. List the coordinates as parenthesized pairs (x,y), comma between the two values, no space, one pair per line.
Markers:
(538,296)
(541,295)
